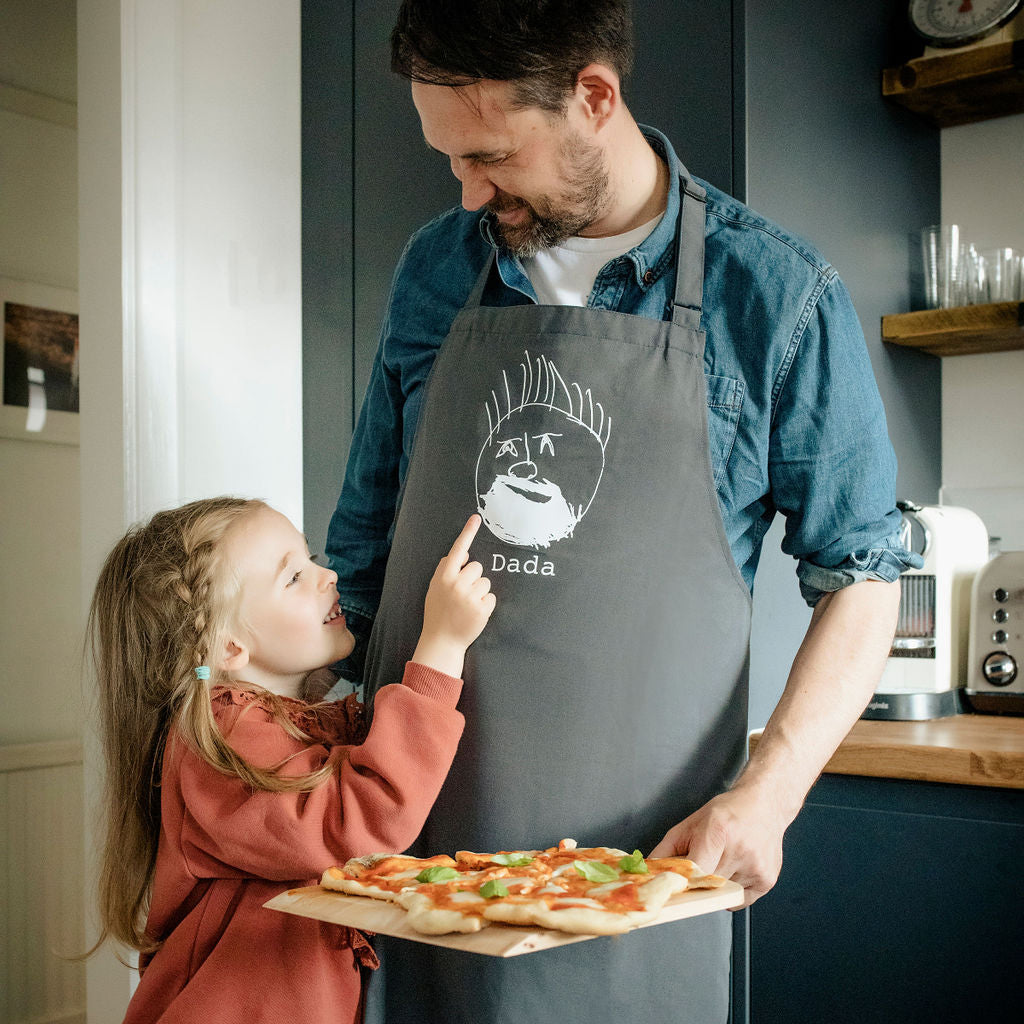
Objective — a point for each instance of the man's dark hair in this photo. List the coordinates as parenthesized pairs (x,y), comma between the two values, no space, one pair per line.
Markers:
(538,45)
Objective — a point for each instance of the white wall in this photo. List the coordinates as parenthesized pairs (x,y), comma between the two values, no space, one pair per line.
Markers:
(40,797)
(983,395)
(189,285)
(39,532)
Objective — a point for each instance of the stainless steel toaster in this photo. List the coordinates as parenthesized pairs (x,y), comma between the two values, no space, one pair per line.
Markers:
(995,657)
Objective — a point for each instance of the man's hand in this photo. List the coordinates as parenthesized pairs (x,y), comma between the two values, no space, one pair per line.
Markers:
(734,835)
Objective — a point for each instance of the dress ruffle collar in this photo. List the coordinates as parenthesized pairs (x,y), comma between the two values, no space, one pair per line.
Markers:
(331,723)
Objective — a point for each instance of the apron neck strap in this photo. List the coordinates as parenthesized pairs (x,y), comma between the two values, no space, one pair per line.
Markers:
(477,294)
(689,294)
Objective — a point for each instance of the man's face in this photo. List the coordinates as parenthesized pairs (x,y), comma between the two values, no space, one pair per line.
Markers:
(538,173)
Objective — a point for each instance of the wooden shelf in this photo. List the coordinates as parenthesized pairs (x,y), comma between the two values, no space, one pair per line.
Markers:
(961,331)
(962,87)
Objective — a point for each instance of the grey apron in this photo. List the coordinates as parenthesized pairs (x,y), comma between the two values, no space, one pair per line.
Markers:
(607,698)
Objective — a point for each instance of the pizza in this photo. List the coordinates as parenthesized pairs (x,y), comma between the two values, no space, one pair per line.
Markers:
(587,891)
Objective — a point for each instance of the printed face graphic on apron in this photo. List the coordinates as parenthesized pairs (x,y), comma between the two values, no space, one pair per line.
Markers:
(542,461)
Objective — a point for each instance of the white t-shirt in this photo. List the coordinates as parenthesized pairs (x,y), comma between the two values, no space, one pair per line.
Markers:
(564,275)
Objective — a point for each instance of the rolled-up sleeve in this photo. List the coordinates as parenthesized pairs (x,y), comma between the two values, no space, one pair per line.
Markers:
(832,467)
(885,562)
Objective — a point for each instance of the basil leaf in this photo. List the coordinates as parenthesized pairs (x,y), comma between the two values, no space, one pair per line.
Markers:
(489,890)
(595,871)
(512,860)
(634,864)
(437,873)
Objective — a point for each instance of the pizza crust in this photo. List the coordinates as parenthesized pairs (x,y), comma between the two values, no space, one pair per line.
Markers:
(576,920)
(586,915)
(354,887)
(355,877)
(429,919)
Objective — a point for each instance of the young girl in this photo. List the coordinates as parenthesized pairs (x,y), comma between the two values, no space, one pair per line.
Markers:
(225,788)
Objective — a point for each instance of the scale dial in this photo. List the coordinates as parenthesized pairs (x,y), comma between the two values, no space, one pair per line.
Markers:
(959,22)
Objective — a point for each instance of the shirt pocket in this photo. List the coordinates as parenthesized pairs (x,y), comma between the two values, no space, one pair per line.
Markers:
(725,400)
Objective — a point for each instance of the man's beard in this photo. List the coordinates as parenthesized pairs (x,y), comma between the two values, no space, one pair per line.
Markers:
(548,221)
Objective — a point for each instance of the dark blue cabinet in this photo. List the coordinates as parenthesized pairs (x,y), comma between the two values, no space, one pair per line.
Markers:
(899,901)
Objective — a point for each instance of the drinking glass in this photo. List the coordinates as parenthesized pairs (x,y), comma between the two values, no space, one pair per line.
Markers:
(943,254)
(1002,270)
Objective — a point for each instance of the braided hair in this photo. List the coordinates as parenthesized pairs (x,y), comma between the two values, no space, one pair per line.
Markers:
(162,607)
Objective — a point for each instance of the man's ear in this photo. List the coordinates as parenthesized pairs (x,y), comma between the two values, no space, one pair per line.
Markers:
(235,656)
(598,93)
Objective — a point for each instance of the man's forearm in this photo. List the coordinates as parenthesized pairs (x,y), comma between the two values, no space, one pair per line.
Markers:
(832,679)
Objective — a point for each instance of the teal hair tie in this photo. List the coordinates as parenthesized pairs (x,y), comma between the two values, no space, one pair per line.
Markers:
(203,672)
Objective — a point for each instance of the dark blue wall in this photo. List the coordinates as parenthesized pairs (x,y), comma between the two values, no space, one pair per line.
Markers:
(328,259)
(778,103)
(828,158)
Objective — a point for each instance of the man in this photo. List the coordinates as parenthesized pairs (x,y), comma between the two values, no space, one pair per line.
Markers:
(630,372)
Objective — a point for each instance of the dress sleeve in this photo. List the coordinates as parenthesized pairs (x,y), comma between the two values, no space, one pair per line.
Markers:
(377,800)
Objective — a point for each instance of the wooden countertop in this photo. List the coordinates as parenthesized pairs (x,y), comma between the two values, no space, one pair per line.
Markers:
(971,750)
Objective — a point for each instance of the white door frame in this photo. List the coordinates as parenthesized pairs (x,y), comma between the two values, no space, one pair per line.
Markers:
(189,284)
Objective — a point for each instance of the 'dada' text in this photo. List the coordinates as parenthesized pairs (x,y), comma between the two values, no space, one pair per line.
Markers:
(532,566)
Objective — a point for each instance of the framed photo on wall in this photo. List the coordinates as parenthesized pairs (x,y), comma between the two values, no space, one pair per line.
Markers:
(39,369)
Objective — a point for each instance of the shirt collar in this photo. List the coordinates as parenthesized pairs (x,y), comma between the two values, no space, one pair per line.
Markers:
(653,254)
(657,250)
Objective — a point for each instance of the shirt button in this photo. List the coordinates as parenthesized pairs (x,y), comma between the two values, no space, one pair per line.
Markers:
(649,277)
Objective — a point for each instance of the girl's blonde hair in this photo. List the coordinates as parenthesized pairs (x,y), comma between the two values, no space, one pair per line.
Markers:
(163,605)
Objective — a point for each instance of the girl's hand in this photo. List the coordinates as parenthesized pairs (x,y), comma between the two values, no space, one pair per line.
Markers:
(459,603)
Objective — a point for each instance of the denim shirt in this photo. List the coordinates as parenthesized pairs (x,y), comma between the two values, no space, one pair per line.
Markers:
(795,421)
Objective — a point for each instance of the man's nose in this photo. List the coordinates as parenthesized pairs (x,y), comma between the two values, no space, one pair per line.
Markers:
(477,189)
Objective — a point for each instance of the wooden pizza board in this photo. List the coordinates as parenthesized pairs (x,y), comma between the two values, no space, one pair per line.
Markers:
(496,939)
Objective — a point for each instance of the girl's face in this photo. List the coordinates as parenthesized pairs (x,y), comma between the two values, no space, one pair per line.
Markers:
(288,621)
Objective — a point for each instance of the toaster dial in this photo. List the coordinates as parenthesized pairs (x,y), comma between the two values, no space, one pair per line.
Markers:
(1000,668)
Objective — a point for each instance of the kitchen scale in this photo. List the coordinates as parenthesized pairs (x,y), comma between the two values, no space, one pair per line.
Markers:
(962,24)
